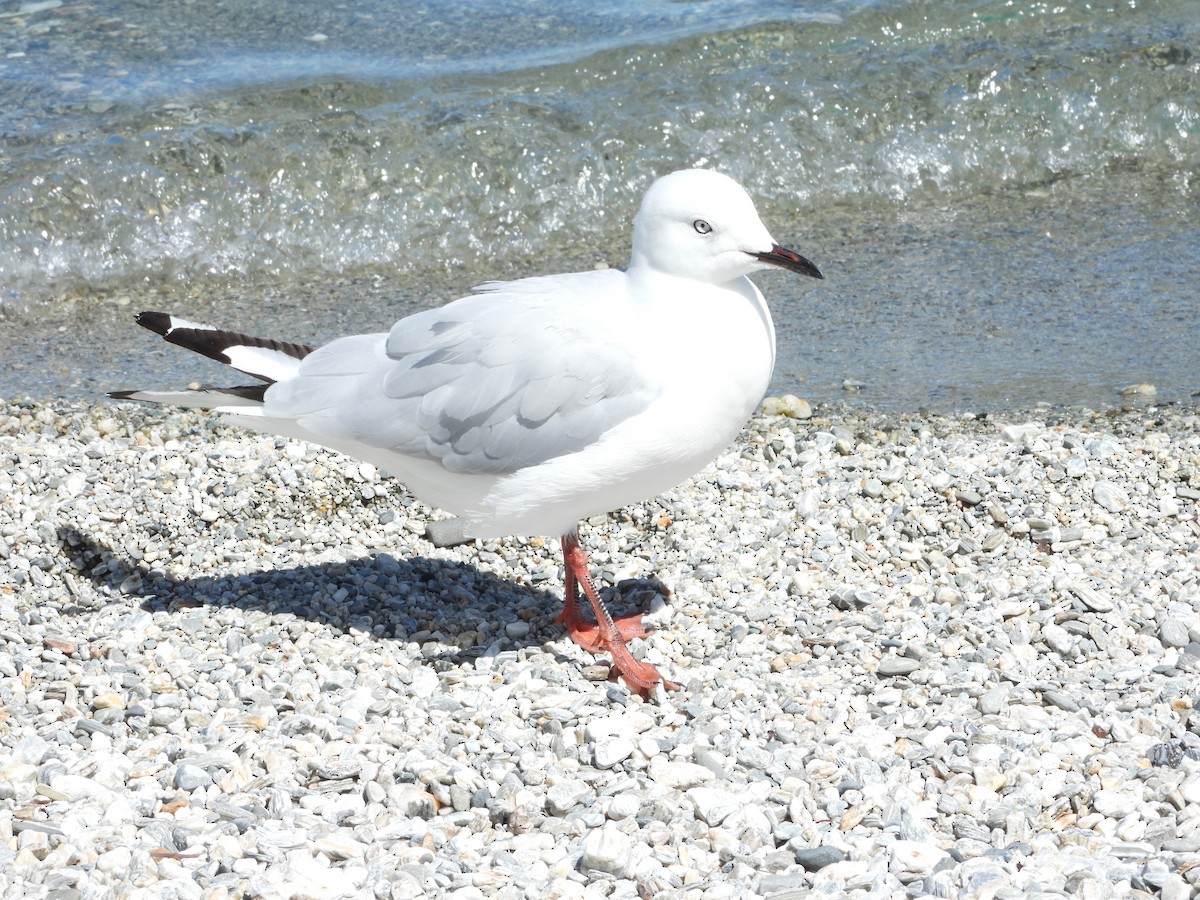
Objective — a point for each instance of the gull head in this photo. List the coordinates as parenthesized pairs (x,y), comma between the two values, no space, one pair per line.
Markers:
(701,224)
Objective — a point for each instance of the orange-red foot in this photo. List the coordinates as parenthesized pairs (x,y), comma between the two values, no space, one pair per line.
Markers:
(608,635)
(641,677)
(589,635)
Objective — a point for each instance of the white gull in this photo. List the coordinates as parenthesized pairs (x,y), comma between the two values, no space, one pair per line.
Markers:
(533,404)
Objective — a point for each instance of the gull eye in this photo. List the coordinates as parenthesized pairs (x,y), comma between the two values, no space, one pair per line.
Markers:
(701,226)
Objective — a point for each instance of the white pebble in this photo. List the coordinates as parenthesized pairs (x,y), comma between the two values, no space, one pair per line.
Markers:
(713,805)
(914,858)
(678,774)
(610,751)
(116,860)
(1117,802)
(606,849)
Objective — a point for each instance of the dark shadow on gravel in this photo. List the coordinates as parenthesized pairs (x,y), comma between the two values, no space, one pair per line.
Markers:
(388,597)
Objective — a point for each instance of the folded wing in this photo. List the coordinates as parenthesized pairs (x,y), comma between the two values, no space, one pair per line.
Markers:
(491,383)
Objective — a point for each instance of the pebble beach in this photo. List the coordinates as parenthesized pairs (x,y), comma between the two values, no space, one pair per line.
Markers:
(919,656)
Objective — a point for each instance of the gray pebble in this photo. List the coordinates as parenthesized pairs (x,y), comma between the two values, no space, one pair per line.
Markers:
(518,630)
(1061,700)
(814,858)
(993,540)
(189,777)
(783,884)
(993,702)
(897,665)
(446,532)
(1173,632)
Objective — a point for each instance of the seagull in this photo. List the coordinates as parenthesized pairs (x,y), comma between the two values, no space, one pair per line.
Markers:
(531,405)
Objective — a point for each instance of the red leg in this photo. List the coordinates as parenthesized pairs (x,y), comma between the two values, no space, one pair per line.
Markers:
(587,635)
(607,635)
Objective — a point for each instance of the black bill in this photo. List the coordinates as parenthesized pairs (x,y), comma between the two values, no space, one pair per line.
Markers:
(789,259)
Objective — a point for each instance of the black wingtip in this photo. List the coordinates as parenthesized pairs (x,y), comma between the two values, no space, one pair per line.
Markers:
(218,344)
(255,393)
(158,322)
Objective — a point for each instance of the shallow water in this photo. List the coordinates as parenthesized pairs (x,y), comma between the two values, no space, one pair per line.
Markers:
(1002,195)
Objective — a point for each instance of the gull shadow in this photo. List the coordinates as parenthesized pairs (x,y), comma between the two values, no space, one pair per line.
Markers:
(414,598)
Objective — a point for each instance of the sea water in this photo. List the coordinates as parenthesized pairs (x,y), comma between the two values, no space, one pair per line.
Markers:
(1001,194)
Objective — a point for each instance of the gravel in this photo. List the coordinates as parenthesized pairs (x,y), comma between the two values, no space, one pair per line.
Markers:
(919,656)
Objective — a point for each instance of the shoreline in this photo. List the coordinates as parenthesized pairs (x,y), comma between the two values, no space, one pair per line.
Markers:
(919,653)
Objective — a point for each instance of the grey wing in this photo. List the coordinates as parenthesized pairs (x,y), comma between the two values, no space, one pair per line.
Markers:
(489,383)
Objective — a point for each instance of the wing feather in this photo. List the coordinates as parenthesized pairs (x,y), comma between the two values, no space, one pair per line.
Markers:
(546,396)
(494,382)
